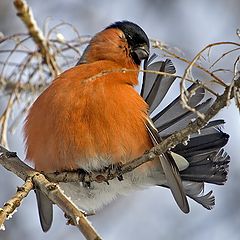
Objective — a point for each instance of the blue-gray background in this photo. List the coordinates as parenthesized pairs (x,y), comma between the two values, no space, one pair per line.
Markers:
(149,214)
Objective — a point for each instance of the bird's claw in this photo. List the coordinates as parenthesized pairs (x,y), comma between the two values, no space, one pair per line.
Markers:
(11,154)
(86,178)
(115,170)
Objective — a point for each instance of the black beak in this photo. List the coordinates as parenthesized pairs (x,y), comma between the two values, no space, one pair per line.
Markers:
(140,53)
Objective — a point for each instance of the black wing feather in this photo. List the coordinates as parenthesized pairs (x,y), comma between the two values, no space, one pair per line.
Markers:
(171,172)
(156,86)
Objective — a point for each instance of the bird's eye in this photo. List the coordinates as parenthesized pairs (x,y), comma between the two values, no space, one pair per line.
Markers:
(129,36)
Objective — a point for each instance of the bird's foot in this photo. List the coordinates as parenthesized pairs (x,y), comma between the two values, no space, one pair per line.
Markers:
(115,170)
(86,178)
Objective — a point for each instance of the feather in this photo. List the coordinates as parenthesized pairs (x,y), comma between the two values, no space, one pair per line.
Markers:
(45,210)
(178,122)
(170,170)
(207,167)
(156,86)
(195,191)
(206,160)
(175,107)
(203,143)
(181,161)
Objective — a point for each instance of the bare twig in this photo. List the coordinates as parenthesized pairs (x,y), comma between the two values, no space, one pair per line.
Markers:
(223,55)
(184,93)
(10,206)
(236,71)
(25,13)
(56,195)
(35,70)
(156,44)
(4,120)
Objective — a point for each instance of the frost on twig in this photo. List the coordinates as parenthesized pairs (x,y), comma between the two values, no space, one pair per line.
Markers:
(210,72)
(12,163)
(25,13)
(10,207)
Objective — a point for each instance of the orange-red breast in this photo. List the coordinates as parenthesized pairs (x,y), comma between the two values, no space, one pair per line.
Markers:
(91,116)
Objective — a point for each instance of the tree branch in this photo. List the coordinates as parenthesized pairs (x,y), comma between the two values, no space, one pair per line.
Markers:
(184,92)
(12,163)
(11,205)
(26,15)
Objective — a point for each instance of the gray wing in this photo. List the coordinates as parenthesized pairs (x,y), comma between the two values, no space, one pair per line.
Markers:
(195,191)
(208,162)
(45,210)
(156,86)
(174,117)
(171,171)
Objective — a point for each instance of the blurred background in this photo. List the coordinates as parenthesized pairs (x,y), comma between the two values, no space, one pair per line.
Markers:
(152,213)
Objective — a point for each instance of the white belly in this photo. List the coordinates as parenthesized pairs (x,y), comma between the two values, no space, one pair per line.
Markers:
(100,194)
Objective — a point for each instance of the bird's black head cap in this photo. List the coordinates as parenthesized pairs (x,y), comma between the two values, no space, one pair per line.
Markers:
(136,39)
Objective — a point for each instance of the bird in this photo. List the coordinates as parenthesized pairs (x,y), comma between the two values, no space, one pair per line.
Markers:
(92,117)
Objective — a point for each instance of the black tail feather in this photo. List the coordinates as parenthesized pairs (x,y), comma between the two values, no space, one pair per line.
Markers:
(203,144)
(211,168)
